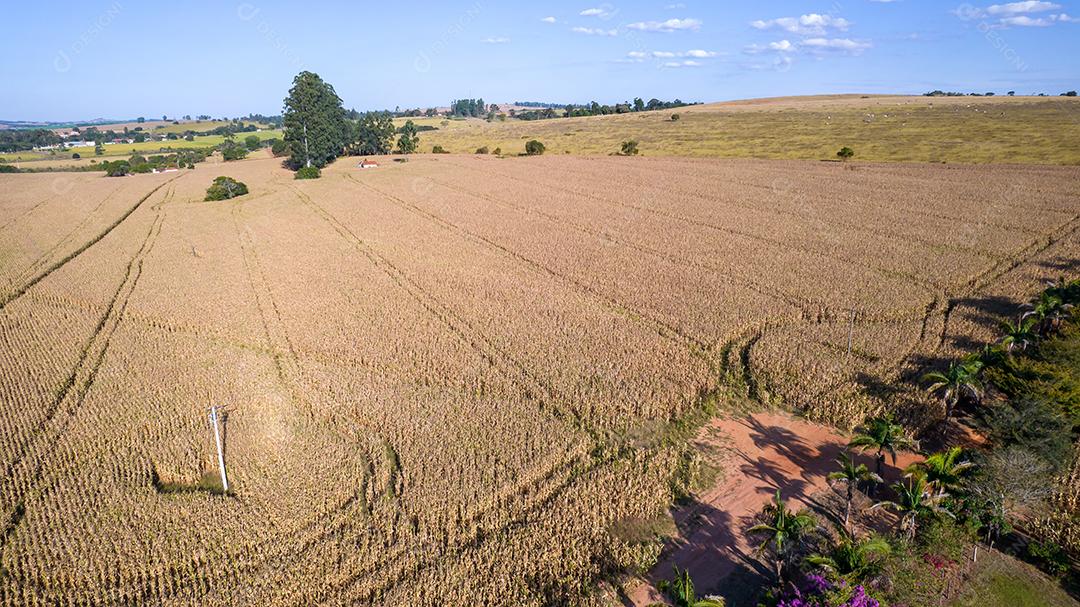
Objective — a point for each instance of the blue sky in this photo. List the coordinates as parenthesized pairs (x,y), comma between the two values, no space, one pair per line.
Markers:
(119,58)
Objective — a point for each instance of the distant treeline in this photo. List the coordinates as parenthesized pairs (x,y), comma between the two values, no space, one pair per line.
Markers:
(538,104)
(1010,94)
(12,140)
(596,109)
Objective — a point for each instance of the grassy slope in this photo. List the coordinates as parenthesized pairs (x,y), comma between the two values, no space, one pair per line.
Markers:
(881,128)
(1001,581)
(127,149)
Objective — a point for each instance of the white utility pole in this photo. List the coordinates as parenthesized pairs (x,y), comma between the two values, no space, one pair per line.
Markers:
(220,453)
(850,331)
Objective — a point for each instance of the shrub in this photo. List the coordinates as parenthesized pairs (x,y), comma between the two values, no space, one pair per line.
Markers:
(482,150)
(845,153)
(117,168)
(252,143)
(1050,557)
(308,173)
(534,148)
(497,152)
(674,117)
(75,156)
(225,188)
(279,148)
(7,168)
(629,148)
(136,159)
(234,152)
(438,150)
(143,167)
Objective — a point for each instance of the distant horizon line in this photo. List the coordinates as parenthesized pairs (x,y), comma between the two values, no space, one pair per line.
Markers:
(15,123)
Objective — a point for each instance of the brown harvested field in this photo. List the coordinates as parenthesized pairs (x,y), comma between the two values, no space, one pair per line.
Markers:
(453,380)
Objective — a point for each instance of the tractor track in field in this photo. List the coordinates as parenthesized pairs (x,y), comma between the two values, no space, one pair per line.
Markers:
(20,291)
(33,454)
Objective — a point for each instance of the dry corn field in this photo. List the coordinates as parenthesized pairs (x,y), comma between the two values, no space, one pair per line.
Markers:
(452,381)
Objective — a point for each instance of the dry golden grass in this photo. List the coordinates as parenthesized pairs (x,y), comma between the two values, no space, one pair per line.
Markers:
(1027,130)
(451,379)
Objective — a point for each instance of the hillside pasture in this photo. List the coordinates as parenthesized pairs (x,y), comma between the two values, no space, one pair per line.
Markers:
(1018,130)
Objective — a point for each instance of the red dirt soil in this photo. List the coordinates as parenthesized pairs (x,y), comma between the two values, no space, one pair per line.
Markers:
(764,451)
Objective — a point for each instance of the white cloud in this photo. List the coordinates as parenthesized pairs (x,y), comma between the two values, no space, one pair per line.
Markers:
(811,24)
(637,54)
(841,44)
(664,54)
(668,26)
(594,31)
(700,54)
(686,63)
(811,45)
(1017,8)
(676,6)
(1065,18)
(1025,21)
(496,40)
(548,19)
(601,12)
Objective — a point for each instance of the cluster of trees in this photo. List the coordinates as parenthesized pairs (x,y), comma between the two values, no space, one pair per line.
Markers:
(597,109)
(470,108)
(19,140)
(1024,394)
(318,129)
(138,163)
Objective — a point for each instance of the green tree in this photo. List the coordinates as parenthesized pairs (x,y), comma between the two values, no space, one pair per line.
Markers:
(534,147)
(850,475)
(845,153)
(629,148)
(279,148)
(373,133)
(99,149)
(117,168)
(853,558)
(314,122)
(639,105)
(681,592)
(961,378)
(944,470)
(914,501)
(252,143)
(225,188)
(784,530)
(883,436)
(408,140)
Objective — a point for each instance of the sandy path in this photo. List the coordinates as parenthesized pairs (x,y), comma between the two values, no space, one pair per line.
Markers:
(765,451)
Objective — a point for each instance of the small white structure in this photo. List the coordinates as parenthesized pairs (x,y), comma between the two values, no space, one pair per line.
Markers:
(368,164)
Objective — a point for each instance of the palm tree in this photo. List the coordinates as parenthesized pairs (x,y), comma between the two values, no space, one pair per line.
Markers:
(784,530)
(961,378)
(881,434)
(854,558)
(851,474)
(943,470)
(1019,335)
(681,591)
(914,500)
